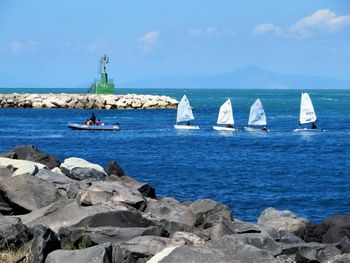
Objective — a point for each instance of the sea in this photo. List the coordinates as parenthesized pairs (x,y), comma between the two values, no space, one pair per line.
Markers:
(305,172)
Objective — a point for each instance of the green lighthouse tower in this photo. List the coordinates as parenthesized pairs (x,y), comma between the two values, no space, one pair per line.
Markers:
(103,85)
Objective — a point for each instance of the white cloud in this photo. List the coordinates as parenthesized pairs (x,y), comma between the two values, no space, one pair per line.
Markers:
(17,47)
(263,29)
(210,31)
(322,20)
(149,41)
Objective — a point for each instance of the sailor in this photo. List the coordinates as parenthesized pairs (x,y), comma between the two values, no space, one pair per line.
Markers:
(313,126)
(93,119)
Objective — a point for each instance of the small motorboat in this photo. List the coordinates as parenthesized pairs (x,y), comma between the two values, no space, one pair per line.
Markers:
(102,127)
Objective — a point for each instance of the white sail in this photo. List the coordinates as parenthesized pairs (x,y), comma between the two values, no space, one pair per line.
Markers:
(257,114)
(184,111)
(226,114)
(307,112)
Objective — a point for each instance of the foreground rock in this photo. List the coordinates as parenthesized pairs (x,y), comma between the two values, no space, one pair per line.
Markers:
(103,215)
(98,254)
(25,193)
(86,101)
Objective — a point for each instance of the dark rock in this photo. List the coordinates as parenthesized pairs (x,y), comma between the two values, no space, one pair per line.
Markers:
(44,242)
(105,253)
(119,218)
(10,155)
(26,193)
(344,245)
(113,168)
(171,214)
(31,153)
(240,227)
(71,236)
(335,228)
(208,213)
(241,252)
(12,231)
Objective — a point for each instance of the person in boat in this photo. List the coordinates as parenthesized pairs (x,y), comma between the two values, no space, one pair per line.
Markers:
(229,126)
(313,125)
(264,129)
(93,119)
(188,123)
(88,122)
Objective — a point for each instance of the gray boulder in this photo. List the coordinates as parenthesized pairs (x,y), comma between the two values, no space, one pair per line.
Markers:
(145,189)
(68,213)
(32,153)
(25,193)
(72,236)
(241,252)
(207,213)
(53,177)
(44,242)
(261,241)
(12,231)
(7,171)
(317,254)
(171,214)
(80,169)
(143,248)
(102,192)
(105,253)
(283,220)
(345,258)
(335,228)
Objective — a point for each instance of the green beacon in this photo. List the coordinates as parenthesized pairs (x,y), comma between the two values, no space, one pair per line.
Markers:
(103,85)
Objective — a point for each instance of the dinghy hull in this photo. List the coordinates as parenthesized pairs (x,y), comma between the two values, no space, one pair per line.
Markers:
(186,127)
(75,126)
(228,129)
(250,129)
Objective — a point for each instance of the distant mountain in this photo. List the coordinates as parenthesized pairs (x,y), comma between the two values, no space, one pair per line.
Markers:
(249,77)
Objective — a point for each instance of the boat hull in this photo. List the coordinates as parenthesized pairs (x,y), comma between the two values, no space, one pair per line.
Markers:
(186,127)
(75,126)
(307,130)
(251,129)
(221,128)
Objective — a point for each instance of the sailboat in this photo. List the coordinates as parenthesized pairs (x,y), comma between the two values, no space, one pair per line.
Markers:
(184,115)
(257,117)
(225,118)
(307,112)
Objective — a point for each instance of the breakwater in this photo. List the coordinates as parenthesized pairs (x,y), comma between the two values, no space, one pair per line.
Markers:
(71,211)
(87,101)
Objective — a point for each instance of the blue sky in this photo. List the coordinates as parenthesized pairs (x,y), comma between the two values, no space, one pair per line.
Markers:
(58,43)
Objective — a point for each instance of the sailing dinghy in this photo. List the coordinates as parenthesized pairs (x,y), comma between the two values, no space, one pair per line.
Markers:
(225,118)
(307,113)
(257,118)
(184,115)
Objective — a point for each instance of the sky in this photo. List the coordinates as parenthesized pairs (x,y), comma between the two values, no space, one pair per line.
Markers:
(58,43)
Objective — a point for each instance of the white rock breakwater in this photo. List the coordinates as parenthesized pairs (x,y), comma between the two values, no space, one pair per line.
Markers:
(87,101)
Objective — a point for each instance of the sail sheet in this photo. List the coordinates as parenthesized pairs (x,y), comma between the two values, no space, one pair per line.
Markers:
(184,111)
(257,114)
(307,112)
(226,114)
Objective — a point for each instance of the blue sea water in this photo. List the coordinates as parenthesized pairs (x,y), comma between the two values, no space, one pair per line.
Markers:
(306,172)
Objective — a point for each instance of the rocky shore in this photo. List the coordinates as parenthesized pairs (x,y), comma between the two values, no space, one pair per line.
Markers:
(86,101)
(77,211)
